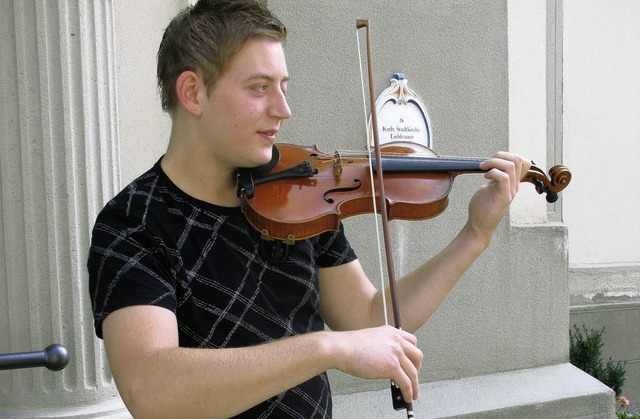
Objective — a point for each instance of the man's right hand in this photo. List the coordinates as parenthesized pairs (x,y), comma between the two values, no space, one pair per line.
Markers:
(382,352)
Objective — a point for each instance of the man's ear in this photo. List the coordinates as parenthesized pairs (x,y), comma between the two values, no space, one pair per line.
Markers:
(187,86)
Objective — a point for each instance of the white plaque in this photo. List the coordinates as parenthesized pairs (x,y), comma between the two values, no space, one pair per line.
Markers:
(401,115)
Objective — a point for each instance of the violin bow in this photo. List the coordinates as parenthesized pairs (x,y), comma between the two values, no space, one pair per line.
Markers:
(396,395)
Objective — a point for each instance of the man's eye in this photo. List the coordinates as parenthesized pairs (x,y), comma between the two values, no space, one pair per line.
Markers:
(261,88)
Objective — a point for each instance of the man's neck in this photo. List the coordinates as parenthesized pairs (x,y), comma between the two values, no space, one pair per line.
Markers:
(197,174)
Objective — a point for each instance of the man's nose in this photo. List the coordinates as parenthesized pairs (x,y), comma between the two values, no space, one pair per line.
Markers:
(280,108)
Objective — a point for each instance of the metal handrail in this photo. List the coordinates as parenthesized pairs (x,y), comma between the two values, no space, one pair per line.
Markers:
(54,357)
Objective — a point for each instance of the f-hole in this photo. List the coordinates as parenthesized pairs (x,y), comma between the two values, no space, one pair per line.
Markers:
(358,185)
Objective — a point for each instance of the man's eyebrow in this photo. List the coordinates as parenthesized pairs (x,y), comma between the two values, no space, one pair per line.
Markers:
(267,77)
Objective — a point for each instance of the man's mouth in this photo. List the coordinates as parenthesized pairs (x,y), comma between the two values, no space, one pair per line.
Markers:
(269,134)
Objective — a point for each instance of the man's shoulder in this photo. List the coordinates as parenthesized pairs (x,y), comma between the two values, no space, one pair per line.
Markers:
(135,199)
(152,203)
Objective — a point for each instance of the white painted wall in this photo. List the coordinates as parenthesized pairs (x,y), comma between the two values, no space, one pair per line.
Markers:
(143,129)
(602,130)
(601,123)
(527,99)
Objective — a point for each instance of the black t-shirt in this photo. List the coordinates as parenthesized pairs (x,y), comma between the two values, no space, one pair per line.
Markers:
(154,244)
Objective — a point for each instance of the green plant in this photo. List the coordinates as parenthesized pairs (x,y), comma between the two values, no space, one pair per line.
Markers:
(585,352)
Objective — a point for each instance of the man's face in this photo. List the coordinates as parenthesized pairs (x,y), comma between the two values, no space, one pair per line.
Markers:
(246,107)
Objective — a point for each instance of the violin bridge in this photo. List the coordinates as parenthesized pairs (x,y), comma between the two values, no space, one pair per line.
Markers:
(337,165)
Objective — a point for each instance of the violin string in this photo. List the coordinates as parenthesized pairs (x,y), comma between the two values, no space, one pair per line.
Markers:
(373,195)
(417,155)
(357,155)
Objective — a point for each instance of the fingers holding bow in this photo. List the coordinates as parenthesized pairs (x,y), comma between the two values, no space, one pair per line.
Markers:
(383,352)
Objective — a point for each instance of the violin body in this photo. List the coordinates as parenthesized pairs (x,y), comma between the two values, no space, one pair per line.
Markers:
(307,192)
(298,208)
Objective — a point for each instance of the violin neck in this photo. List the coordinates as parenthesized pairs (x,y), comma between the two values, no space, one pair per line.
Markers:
(392,164)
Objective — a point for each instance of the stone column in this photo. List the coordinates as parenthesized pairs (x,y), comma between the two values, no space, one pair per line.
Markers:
(58,166)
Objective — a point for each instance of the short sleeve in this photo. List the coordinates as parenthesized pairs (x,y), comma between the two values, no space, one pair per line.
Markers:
(127,266)
(334,249)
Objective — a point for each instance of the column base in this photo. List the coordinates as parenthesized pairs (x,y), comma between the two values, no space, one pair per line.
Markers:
(112,409)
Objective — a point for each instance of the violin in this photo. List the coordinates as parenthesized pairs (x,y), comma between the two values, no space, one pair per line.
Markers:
(304,192)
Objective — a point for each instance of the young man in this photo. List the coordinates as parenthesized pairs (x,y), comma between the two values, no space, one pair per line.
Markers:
(198,321)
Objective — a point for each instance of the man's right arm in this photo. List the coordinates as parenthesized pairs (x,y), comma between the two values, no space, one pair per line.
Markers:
(157,378)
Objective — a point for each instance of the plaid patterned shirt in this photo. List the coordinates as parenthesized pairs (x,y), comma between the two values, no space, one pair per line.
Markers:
(153,244)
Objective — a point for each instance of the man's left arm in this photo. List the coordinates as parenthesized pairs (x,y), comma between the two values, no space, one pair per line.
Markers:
(350,301)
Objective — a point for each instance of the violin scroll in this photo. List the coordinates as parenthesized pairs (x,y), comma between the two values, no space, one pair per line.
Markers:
(559,178)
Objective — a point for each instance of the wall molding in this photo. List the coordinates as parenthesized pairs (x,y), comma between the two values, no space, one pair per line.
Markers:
(604,284)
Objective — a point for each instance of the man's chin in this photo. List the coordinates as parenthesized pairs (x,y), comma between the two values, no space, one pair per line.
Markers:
(263,160)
